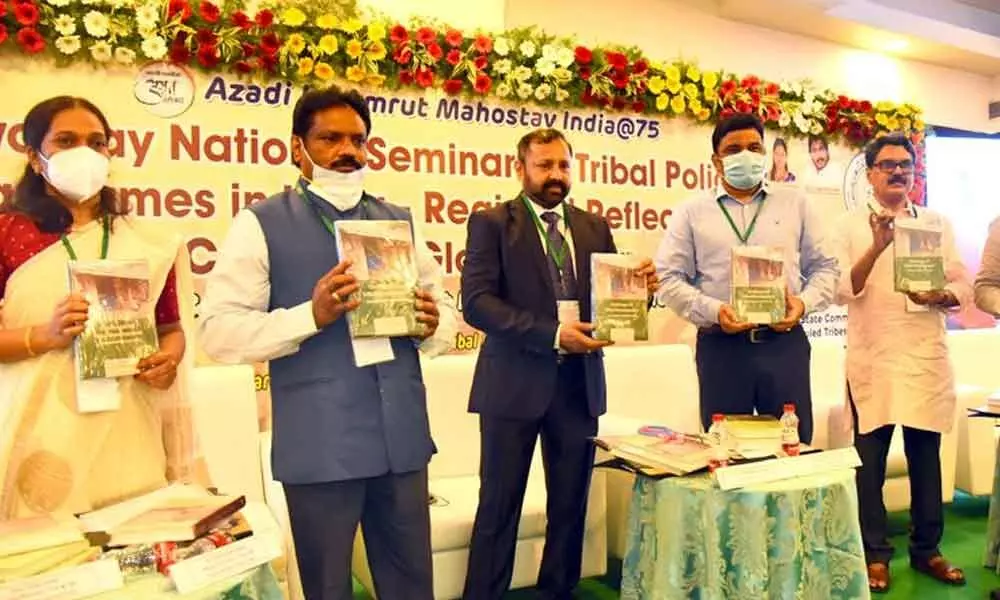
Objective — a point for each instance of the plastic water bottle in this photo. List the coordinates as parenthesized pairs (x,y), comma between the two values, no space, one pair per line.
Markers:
(718,440)
(790,431)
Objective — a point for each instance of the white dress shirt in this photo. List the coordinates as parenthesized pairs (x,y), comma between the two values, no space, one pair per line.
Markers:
(236,326)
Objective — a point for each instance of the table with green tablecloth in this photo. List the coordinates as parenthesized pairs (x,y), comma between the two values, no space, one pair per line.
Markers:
(795,539)
(257,584)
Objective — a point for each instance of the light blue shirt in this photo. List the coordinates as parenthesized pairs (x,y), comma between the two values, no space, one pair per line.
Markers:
(694,260)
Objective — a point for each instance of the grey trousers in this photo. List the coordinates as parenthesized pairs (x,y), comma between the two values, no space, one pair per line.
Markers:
(395,521)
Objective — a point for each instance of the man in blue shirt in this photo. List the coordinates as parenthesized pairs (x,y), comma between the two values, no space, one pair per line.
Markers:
(743,367)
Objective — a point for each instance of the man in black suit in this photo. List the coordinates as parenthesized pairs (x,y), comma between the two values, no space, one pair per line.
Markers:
(526,285)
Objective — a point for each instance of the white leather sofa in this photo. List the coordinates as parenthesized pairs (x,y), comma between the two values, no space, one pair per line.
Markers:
(973,355)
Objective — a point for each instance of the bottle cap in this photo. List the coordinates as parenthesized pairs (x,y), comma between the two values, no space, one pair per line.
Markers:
(789,408)
(718,417)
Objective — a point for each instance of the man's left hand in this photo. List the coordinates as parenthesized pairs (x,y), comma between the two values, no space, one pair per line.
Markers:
(932,298)
(648,270)
(794,309)
(427,312)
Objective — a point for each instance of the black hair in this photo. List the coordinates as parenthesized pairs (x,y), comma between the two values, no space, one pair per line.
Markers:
(31,195)
(778,143)
(893,139)
(540,136)
(737,122)
(818,138)
(316,100)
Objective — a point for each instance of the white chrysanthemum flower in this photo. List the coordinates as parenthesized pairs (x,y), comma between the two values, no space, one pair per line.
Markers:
(69,44)
(522,73)
(101,51)
(784,120)
(801,123)
(65,25)
(501,46)
(543,91)
(90,2)
(503,89)
(503,66)
(549,52)
(561,95)
(527,49)
(545,67)
(147,15)
(524,91)
(154,47)
(96,24)
(125,56)
(816,129)
(148,32)
(59,3)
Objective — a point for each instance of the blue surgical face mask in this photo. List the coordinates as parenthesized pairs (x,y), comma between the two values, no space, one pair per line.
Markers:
(745,170)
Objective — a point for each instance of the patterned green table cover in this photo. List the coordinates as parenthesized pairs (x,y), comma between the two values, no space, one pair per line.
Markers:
(993,524)
(797,539)
(258,584)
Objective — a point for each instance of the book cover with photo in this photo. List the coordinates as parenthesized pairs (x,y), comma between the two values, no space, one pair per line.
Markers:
(121,320)
(384,263)
(919,258)
(619,303)
(758,284)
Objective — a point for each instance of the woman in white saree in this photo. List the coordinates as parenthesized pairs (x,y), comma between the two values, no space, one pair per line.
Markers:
(52,457)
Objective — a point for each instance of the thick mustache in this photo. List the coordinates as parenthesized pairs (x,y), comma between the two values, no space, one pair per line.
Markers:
(558,184)
(346,161)
(897,180)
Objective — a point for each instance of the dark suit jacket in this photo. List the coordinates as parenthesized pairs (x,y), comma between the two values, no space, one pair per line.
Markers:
(507,293)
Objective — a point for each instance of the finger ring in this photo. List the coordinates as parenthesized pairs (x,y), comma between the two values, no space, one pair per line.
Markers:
(336,297)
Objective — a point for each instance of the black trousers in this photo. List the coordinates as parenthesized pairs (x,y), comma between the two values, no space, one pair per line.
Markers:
(923,462)
(762,371)
(568,458)
(395,521)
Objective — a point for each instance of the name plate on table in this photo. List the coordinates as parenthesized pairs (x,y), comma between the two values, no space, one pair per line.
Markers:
(66,584)
(225,562)
(778,469)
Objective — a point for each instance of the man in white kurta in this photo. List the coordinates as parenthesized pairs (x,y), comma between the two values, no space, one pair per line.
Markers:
(898,370)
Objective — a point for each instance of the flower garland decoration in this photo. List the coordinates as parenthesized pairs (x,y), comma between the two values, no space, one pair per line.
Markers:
(314,43)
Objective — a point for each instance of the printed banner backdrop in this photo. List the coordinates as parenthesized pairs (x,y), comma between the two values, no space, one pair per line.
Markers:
(190,151)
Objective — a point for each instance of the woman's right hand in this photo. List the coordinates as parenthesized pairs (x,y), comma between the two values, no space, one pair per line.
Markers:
(68,321)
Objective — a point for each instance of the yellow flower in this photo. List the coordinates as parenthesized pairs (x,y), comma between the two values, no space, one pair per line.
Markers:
(673,86)
(709,80)
(904,111)
(655,84)
(672,73)
(881,119)
(893,124)
(884,106)
(711,95)
(704,114)
(375,80)
(323,71)
(355,73)
(695,106)
(662,101)
(295,44)
(305,66)
(293,17)
(906,125)
(351,25)
(327,21)
(376,51)
(328,44)
(678,105)
(354,49)
(691,90)
(376,31)
(919,125)
(693,73)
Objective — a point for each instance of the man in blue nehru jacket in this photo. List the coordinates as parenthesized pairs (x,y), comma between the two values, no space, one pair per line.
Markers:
(351,435)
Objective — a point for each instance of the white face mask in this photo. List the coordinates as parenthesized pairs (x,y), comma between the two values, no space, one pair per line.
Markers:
(342,190)
(78,174)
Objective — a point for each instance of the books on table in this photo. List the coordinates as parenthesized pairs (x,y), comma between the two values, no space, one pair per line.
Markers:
(384,263)
(657,456)
(918,255)
(754,436)
(175,520)
(34,545)
(757,291)
(619,301)
(121,320)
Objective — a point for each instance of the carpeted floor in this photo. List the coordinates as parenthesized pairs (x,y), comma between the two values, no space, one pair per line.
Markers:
(964,544)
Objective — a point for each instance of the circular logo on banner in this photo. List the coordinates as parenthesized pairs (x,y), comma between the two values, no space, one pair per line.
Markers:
(165,89)
(857,190)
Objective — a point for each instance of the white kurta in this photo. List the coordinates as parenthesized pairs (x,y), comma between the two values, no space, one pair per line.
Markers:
(897,361)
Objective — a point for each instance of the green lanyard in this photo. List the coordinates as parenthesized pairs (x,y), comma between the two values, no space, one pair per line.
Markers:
(743,236)
(327,222)
(105,240)
(559,256)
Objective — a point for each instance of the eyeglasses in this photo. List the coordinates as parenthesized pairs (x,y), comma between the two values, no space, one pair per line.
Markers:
(889,166)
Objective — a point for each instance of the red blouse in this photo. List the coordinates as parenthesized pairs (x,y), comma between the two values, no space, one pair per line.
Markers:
(20,239)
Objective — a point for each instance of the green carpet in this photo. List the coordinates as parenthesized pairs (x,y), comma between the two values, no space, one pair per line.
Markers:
(964,544)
